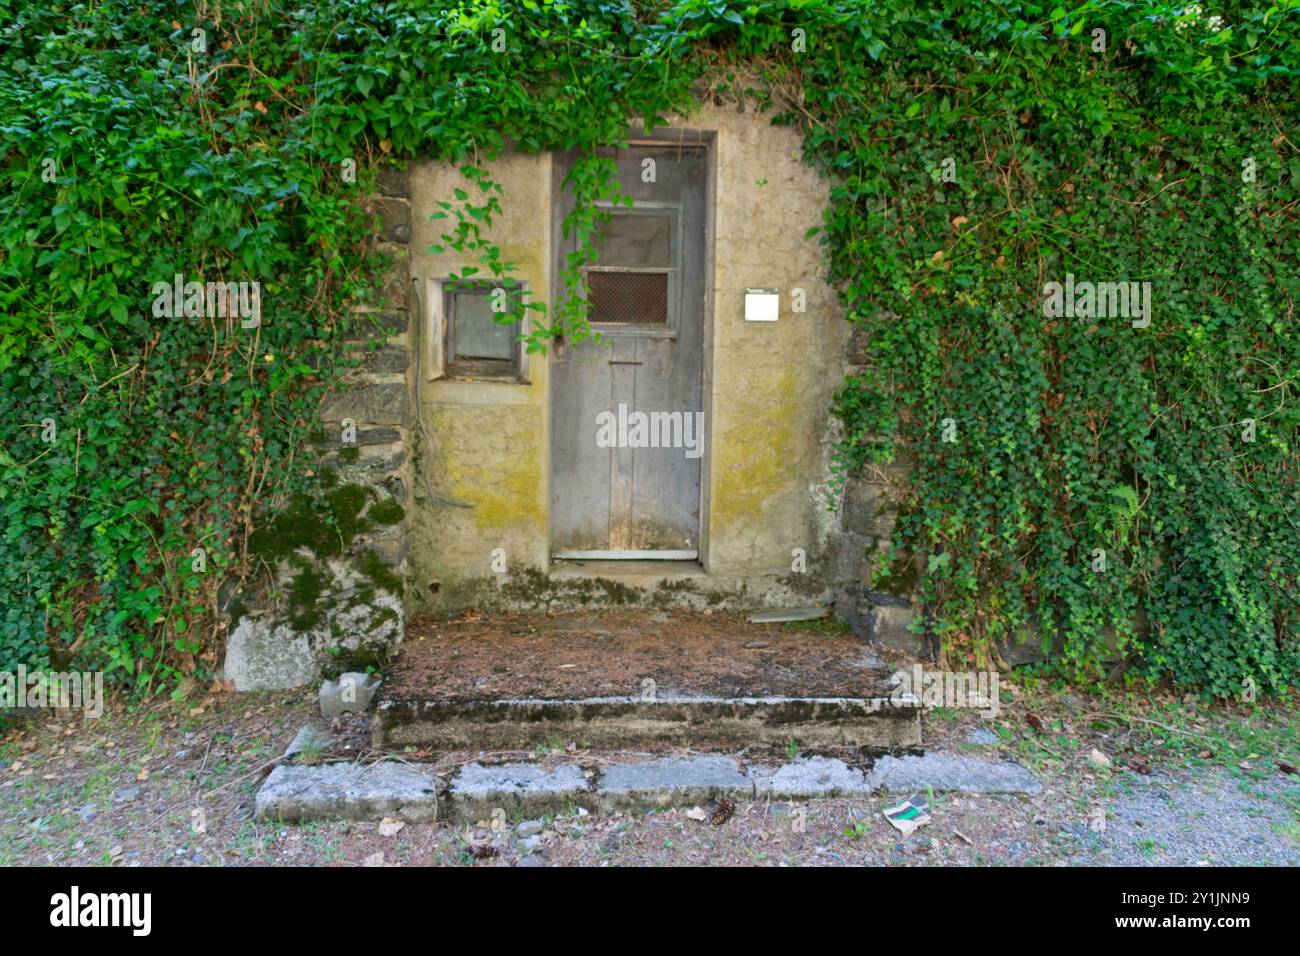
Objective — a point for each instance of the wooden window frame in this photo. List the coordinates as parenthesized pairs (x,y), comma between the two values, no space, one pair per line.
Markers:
(668,328)
(440,326)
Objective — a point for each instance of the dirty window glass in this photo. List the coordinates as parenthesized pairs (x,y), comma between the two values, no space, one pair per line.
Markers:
(638,240)
(476,338)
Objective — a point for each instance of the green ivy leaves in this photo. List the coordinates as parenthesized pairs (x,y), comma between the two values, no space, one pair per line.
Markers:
(972,153)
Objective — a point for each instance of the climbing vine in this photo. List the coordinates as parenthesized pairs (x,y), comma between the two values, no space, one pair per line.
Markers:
(1106,486)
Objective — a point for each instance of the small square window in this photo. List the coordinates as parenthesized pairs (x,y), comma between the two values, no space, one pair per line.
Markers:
(482,329)
(632,286)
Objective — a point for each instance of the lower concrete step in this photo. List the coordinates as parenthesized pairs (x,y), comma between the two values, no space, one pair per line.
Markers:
(605,783)
(348,792)
(620,680)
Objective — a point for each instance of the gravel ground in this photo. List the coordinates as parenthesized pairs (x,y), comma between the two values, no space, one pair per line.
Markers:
(1215,819)
(174,785)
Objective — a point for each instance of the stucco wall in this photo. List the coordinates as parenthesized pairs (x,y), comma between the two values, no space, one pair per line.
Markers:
(767,385)
(772,382)
(484,446)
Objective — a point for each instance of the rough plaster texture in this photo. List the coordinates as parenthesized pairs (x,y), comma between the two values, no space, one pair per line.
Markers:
(772,382)
(488,462)
(768,384)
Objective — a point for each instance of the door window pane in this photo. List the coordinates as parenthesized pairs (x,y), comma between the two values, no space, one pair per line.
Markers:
(639,240)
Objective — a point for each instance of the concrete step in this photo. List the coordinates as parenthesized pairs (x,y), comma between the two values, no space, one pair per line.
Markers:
(619,680)
(605,783)
(702,723)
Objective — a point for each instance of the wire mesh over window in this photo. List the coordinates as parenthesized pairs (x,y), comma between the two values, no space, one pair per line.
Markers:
(627,298)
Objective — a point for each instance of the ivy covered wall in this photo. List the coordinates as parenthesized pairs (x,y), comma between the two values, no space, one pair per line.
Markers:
(1080,463)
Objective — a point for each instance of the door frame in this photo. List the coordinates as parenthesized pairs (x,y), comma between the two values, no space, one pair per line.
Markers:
(705,139)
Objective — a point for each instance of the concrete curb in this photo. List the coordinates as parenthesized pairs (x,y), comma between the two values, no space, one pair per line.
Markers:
(474,791)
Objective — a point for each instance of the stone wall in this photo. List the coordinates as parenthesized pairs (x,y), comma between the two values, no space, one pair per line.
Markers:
(879,607)
(335,601)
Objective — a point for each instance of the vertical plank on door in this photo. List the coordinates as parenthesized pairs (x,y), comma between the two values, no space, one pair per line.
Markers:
(580,490)
(666,503)
(623,375)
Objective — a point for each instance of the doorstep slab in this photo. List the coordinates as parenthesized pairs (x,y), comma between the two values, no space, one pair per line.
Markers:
(672,781)
(808,777)
(622,723)
(629,680)
(479,792)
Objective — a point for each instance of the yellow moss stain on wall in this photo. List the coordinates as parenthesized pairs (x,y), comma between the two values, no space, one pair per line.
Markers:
(495,462)
(526,259)
(755,459)
(504,495)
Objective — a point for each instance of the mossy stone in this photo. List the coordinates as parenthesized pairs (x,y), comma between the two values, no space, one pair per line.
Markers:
(323,527)
(373,567)
(304,597)
(387,511)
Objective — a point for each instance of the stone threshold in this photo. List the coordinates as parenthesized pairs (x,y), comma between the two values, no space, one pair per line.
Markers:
(479,791)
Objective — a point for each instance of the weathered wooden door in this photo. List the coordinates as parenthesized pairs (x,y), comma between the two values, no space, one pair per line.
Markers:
(627,427)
